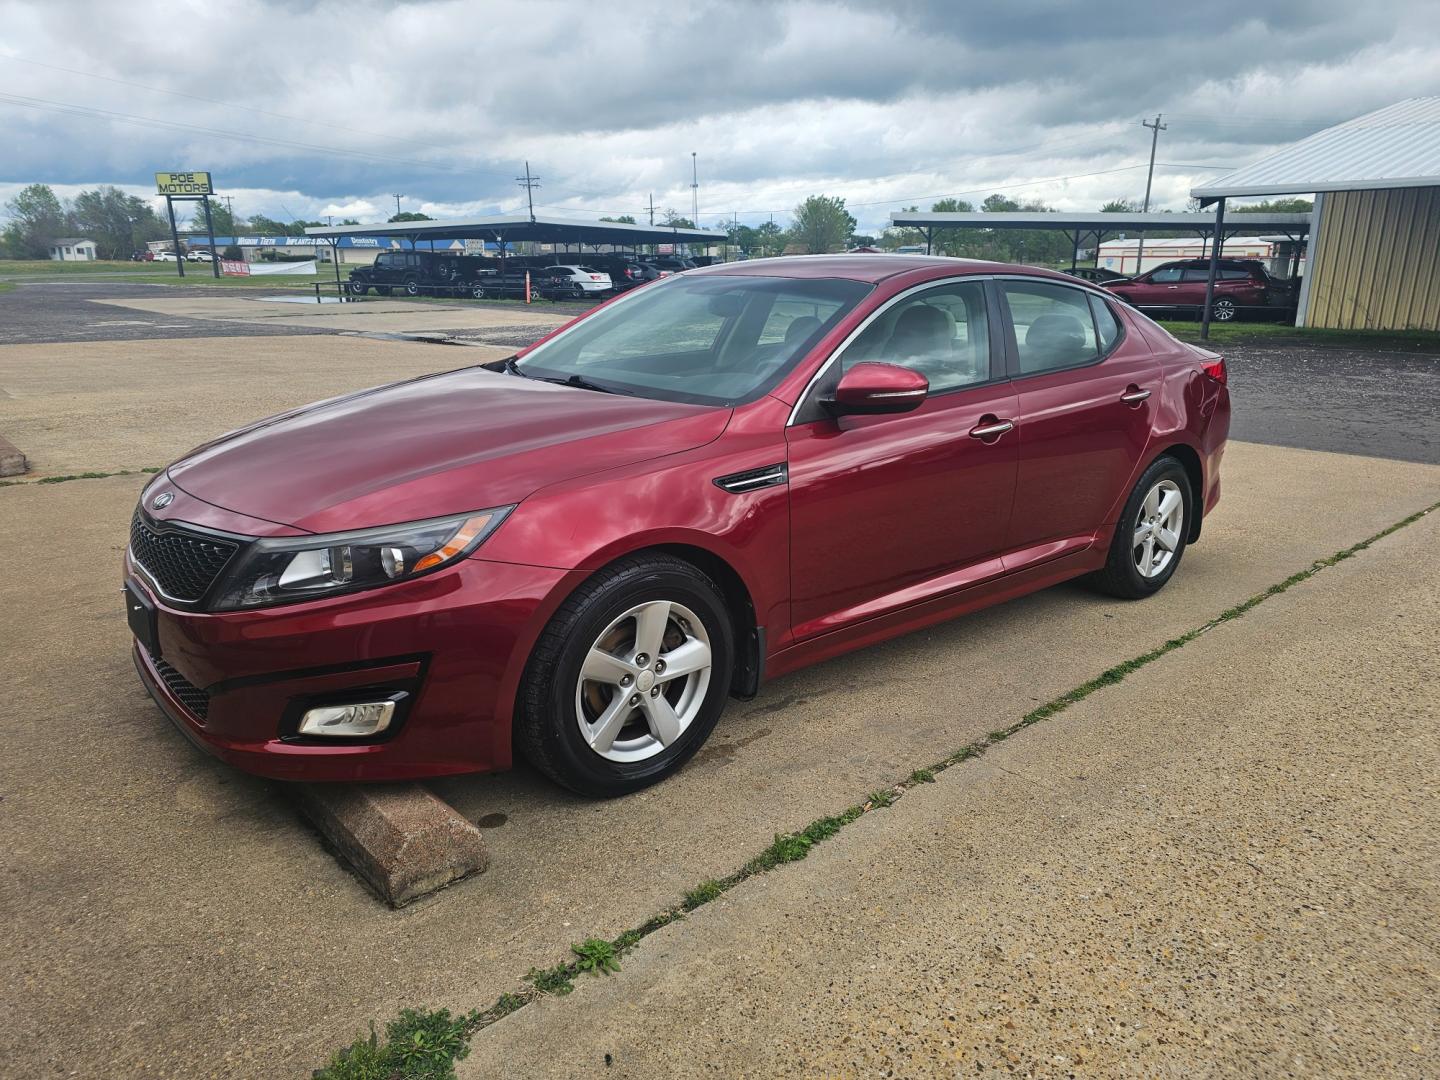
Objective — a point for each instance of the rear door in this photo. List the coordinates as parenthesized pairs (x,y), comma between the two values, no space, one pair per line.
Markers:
(1085,412)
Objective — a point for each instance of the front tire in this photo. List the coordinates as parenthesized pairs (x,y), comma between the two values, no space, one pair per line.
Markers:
(629,678)
(1223,310)
(412,287)
(1150,537)
(358,288)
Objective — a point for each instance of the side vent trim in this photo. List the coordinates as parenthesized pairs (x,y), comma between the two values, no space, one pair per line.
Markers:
(754,479)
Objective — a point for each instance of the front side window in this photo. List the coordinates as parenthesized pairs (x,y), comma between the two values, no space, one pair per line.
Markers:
(1166,275)
(1054,327)
(709,340)
(943,333)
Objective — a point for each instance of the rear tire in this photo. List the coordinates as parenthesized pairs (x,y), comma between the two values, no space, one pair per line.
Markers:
(1151,533)
(1223,310)
(577,717)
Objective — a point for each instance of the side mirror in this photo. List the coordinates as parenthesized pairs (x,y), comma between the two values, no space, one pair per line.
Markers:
(869,389)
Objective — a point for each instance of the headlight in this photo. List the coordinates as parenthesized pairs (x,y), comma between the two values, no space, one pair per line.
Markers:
(280,570)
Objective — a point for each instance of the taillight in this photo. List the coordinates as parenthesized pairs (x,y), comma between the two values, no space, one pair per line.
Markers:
(1216,370)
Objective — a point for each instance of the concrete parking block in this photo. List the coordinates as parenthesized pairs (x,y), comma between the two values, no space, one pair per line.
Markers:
(399,837)
(12,461)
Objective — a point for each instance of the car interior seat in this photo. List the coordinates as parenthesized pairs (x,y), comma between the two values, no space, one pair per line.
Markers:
(1052,341)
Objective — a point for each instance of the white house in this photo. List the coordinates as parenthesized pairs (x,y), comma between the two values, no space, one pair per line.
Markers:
(72,249)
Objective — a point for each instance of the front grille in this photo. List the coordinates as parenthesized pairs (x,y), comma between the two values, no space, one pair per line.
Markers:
(183,564)
(188,694)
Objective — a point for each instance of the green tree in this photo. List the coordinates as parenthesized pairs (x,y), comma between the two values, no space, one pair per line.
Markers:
(951,241)
(902,236)
(117,222)
(260,225)
(36,219)
(863,240)
(672,220)
(1276,206)
(410,215)
(769,239)
(1120,206)
(623,219)
(822,224)
(220,216)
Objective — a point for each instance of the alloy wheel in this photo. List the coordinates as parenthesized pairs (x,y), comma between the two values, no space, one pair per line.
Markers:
(1223,310)
(643,681)
(1158,529)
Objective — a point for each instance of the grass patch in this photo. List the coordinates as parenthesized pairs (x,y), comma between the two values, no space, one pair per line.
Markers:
(1412,341)
(78,476)
(418,1046)
(599,956)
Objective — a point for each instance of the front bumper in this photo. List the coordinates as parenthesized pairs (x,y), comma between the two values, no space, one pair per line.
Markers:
(455,642)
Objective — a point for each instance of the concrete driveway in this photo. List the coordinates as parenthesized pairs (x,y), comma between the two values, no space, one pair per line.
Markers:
(167,916)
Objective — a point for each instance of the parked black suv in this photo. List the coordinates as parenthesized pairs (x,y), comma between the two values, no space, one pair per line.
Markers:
(415,273)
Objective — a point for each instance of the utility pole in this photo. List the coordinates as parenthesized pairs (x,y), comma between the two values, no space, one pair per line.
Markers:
(397,195)
(694,190)
(1155,129)
(652,208)
(529,183)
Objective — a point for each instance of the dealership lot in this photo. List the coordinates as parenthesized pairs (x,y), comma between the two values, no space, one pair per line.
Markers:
(173,917)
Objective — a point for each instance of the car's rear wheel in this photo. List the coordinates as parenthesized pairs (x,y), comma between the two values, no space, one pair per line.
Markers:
(629,678)
(577,292)
(1223,310)
(1150,536)
(477,292)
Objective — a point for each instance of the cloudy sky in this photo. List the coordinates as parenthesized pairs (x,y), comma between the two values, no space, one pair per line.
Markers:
(303,109)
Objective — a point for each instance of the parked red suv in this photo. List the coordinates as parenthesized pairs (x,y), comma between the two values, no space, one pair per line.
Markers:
(582,551)
(1239,283)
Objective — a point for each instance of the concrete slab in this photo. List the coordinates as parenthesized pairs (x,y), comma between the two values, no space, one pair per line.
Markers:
(1225,865)
(103,406)
(12,461)
(400,838)
(175,918)
(369,316)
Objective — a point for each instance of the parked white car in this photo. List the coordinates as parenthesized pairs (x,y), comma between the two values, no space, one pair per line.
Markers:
(165,256)
(577,281)
(200,256)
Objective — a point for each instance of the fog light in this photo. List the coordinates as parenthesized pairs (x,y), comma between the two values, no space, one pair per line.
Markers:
(369,718)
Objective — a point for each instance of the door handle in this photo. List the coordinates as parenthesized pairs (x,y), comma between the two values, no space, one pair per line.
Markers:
(1134,395)
(993,430)
(1172,286)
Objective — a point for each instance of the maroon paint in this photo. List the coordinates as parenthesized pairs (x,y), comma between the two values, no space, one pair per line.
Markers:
(888,523)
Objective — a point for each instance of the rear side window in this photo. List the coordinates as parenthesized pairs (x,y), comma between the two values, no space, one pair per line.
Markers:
(1054,327)
(1193,275)
(1107,327)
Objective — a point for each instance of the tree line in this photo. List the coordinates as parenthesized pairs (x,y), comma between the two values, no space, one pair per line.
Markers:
(121,224)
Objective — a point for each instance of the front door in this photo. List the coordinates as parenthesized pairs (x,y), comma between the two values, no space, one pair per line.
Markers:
(1086,408)
(888,511)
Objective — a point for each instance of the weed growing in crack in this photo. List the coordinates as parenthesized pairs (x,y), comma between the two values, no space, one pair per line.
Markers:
(595,956)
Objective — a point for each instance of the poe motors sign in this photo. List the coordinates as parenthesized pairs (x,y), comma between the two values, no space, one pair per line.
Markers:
(188,187)
(184,183)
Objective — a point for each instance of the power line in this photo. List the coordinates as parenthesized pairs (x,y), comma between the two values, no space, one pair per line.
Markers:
(529,183)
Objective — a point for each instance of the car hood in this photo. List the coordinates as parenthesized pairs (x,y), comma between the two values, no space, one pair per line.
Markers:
(430,447)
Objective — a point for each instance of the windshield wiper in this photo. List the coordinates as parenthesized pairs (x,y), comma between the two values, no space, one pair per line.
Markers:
(577,381)
(512,368)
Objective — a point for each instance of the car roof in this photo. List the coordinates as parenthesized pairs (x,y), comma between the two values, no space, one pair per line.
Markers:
(869,268)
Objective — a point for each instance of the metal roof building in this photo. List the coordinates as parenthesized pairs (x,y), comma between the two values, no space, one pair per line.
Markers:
(1374,260)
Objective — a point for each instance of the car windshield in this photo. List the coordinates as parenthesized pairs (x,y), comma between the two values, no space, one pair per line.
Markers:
(717,340)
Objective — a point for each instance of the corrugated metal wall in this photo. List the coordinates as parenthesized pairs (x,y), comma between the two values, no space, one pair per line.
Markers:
(1375,263)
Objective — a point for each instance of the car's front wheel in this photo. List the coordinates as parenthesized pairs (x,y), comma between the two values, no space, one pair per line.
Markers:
(1223,310)
(1150,536)
(412,287)
(629,678)
(359,288)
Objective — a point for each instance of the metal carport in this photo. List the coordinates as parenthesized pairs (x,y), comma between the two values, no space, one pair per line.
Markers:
(528,228)
(1077,226)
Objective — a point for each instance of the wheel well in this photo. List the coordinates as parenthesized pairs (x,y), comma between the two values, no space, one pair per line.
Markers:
(749,639)
(1193,469)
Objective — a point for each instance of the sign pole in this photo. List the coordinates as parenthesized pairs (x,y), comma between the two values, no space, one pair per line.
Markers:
(175,236)
(210,230)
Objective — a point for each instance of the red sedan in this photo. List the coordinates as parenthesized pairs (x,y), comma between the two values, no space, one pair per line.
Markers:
(712,480)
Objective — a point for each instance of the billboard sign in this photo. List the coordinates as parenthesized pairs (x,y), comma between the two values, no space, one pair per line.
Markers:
(183,183)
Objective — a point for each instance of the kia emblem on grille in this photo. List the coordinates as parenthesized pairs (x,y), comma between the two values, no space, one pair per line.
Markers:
(164,499)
